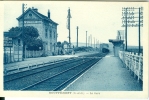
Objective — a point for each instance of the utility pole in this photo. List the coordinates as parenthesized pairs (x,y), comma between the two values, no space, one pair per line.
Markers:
(94,42)
(126,28)
(91,40)
(23,6)
(98,44)
(77,35)
(86,38)
(69,36)
(139,31)
(128,20)
(68,27)
(23,30)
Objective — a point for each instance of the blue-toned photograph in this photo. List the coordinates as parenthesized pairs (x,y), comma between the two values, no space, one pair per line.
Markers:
(73,46)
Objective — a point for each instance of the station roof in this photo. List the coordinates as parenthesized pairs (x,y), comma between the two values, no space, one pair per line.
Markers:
(115,40)
(38,14)
(12,34)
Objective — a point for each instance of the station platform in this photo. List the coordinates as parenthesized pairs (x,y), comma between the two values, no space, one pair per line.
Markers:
(108,74)
(40,60)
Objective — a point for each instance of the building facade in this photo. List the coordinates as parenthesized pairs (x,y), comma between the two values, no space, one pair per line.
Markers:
(46,27)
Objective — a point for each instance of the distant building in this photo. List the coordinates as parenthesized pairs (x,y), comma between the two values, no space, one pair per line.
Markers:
(120,35)
(46,27)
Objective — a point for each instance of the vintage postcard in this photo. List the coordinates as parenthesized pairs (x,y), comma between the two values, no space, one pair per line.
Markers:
(74,49)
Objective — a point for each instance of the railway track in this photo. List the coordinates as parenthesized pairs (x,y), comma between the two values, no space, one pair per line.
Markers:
(52,77)
(15,76)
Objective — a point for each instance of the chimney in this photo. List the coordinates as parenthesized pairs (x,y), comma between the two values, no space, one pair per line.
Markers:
(48,13)
(35,9)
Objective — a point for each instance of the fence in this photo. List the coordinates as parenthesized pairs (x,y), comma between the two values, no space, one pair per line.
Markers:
(133,62)
(14,57)
(33,54)
(7,58)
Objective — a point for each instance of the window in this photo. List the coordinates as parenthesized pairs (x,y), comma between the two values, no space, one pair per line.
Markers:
(54,34)
(54,46)
(19,43)
(50,46)
(30,15)
(50,34)
(46,34)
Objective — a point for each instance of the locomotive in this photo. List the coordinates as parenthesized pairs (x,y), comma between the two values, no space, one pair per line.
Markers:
(105,50)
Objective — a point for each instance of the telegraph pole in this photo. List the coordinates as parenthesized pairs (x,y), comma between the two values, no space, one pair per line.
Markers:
(139,31)
(68,27)
(129,21)
(98,44)
(23,16)
(91,40)
(86,38)
(94,42)
(77,35)
(23,6)
(23,30)
(69,37)
(126,28)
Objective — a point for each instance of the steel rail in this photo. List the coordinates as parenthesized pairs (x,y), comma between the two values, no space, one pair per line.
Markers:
(53,76)
(40,71)
(61,85)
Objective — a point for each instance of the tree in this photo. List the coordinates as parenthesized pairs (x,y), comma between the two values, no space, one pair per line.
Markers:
(59,45)
(28,35)
(36,44)
(65,42)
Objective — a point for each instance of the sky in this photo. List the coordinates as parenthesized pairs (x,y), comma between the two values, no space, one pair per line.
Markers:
(102,20)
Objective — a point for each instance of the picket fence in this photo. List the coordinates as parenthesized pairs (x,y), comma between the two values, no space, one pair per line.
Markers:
(133,62)
(33,54)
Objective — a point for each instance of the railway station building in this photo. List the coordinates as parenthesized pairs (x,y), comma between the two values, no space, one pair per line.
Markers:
(46,27)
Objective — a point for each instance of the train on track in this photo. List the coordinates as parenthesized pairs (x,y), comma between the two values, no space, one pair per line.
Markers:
(105,50)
